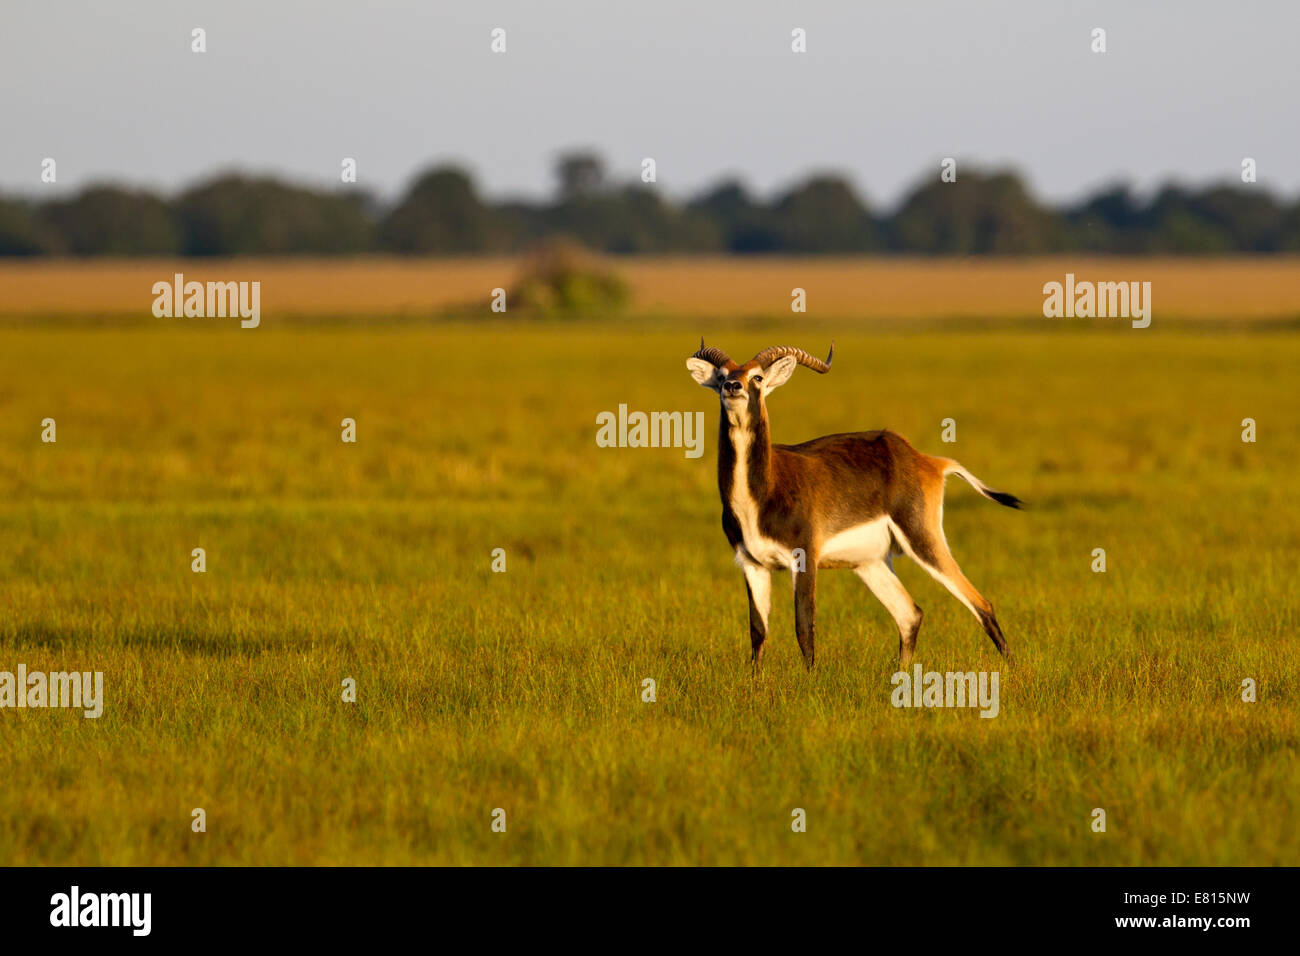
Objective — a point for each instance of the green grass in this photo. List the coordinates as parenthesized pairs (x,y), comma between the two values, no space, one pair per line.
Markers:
(522,690)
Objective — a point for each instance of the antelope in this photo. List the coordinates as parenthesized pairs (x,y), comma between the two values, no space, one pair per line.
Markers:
(851,500)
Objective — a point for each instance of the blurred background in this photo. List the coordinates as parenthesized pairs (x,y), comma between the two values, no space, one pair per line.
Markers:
(462,151)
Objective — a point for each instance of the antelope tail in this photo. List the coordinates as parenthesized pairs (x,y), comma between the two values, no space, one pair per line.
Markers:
(951,467)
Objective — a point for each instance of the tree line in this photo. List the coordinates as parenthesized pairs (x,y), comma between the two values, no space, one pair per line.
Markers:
(442,213)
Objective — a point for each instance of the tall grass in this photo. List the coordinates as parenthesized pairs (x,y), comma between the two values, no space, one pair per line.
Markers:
(522,690)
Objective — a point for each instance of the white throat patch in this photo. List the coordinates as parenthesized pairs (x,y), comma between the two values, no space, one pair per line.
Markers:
(744,506)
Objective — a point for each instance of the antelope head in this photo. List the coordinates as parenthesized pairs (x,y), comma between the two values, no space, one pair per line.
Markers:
(743,388)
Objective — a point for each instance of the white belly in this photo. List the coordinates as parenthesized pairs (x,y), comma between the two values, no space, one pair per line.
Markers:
(860,544)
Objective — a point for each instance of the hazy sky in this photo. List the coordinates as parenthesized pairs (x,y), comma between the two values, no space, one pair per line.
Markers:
(708,88)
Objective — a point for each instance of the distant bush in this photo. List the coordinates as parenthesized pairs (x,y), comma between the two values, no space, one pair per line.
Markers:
(442,213)
(234,215)
(980,214)
(561,278)
(106,220)
(23,233)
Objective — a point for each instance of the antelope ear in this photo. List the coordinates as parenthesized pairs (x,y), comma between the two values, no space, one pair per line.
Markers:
(705,373)
(778,373)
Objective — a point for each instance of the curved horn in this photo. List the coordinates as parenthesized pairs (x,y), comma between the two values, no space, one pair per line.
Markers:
(768,356)
(719,358)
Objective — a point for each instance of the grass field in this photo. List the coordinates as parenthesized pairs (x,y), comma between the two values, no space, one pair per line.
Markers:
(521,690)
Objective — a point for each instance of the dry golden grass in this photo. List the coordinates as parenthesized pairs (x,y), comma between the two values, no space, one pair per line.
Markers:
(867,288)
(521,690)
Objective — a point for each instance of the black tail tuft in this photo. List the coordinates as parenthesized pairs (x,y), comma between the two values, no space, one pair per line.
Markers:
(1002,498)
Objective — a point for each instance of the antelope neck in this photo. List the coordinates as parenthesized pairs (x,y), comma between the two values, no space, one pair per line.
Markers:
(744,454)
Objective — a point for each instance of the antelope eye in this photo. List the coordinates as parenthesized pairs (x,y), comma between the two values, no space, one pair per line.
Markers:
(757,378)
